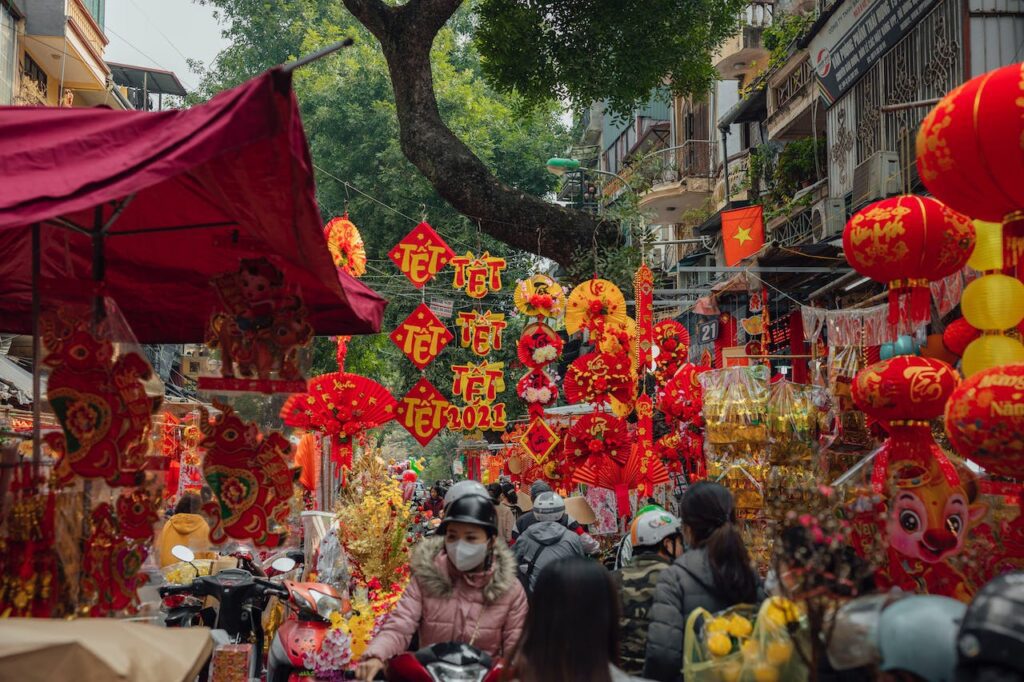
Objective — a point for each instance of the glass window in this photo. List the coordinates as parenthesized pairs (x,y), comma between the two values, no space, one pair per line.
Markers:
(7,51)
(36,73)
(97,8)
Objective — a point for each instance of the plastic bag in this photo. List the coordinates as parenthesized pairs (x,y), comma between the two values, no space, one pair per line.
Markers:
(735,400)
(741,645)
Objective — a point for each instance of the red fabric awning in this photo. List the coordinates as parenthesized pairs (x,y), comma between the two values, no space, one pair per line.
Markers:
(209,185)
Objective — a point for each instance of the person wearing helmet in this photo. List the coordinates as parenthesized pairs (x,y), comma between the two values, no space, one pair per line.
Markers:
(991,638)
(547,540)
(463,488)
(916,639)
(463,588)
(590,545)
(656,540)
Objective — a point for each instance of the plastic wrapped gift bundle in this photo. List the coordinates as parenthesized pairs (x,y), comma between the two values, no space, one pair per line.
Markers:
(735,402)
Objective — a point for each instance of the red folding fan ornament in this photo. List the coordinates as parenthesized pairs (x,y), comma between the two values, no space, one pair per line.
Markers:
(605,473)
(537,390)
(539,345)
(341,405)
(596,436)
(644,469)
(599,378)
(682,398)
(673,342)
(346,246)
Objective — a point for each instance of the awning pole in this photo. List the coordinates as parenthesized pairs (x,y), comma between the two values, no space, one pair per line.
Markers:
(312,57)
(37,354)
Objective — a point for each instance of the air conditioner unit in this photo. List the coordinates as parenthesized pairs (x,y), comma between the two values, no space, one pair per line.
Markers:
(828,218)
(876,177)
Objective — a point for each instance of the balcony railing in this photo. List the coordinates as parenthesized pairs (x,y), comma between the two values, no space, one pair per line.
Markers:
(692,159)
(794,84)
(87,26)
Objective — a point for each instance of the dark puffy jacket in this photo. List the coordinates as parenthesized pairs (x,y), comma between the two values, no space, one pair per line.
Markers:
(542,543)
(528,519)
(686,585)
(637,582)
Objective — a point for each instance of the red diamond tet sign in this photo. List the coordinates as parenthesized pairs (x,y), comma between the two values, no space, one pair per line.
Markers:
(423,411)
(421,255)
(539,440)
(421,336)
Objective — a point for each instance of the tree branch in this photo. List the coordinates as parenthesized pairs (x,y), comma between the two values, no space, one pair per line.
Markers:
(523,221)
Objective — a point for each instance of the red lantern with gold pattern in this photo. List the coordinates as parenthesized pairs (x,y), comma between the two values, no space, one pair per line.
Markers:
(907,242)
(970,155)
(985,420)
(904,388)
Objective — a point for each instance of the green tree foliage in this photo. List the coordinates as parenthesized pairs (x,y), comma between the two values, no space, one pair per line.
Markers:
(613,50)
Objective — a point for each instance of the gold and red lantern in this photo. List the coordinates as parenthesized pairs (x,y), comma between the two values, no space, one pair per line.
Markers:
(985,420)
(904,388)
(907,242)
(969,153)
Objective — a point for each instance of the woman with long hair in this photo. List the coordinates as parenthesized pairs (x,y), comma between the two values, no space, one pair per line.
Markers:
(572,628)
(714,573)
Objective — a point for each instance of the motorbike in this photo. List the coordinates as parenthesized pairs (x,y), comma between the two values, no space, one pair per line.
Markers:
(302,633)
(446,662)
(241,598)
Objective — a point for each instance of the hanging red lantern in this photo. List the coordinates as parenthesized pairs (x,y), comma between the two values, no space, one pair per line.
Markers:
(904,388)
(907,242)
(969,154)
(958,335)
(985,420)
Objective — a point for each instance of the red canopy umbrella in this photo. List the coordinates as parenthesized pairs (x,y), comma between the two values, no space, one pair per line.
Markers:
(154,204)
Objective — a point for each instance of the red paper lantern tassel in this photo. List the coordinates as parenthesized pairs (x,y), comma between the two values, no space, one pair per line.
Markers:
(622,500)
(341,453)
(919,307)
(536,410)
(1013,244)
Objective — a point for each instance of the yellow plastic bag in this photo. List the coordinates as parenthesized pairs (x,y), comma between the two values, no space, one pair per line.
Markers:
(739,645)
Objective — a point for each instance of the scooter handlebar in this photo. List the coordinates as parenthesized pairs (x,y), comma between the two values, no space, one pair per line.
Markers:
(168,590)
(271,587)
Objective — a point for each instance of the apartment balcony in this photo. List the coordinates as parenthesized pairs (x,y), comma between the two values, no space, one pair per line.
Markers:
(791,101)
(675,180)
(743,54)
(738,164)
(593,117)
(66,42)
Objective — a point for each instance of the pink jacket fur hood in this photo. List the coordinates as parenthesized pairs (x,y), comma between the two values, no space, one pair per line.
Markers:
(486,609)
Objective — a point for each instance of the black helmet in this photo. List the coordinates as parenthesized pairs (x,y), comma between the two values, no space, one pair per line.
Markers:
(474,509)
(992,631)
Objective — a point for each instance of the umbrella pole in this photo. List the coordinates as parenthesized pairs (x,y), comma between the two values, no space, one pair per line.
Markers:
(37,407)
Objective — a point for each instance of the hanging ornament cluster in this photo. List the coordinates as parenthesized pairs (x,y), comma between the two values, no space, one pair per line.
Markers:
(346,246)
(964,159)
(539,345)
(985,420)
(250,476)
(112,557)
(258,330)
(341,406)
(539,296)
(597,436)
(478,275)
(907,242)
(99,401)
(672,340)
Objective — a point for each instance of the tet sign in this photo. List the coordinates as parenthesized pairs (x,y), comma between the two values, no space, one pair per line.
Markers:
(478,384)
(421,255)
(423,411)
(421,337)
(481,332)
(477,275)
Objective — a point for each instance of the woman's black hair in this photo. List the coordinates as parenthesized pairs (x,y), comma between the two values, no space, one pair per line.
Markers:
(572,629)
(709,512)
(494,490)
(509,491)
(188,503)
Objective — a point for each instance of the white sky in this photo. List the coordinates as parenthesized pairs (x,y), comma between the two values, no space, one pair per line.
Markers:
(162,34)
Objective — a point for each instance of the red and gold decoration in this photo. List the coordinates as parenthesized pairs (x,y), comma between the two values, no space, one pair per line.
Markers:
(596,436)
(341,406)
(111,563)
(907,242)
(539,296)
(478,275)
(137,513)
(480,332)
(421,255)
(540,439)
(643,466)
(478,385)
(258,331)
(250,476)
(100,403)
(29,574)
(742,233)
(346,246)
(593,305)
(423,412)
(421,336)
(643,286)
(600,378)
(969,156)
(673,343)
(681,399)
(539,345)
(537,390)
(985,420)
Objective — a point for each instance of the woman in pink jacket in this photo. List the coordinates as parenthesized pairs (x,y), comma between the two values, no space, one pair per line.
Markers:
(464,588)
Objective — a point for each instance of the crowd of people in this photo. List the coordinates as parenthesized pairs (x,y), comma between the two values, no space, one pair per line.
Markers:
(525,587)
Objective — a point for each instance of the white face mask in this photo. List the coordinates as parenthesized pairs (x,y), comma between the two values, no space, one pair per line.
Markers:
(466,555)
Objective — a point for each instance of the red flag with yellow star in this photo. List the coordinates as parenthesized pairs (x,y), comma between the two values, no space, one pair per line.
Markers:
(742,233)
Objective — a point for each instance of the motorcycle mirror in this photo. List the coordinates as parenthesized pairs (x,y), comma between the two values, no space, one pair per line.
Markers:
(283,564)
(183,553)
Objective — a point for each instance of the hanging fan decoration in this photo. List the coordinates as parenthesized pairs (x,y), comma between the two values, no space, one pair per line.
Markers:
(539,345)
(644,467)
(250,476)
(600,378)
(346,246)
(682,398)
(673,343)
(539,296)
(616,339)
(537,390)
(596,436)
(593,305)
(605,473)
(342,406)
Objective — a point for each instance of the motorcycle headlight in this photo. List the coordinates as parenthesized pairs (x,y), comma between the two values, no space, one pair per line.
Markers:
(326,605)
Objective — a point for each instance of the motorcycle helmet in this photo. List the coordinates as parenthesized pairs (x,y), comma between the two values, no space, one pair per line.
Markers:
(472,509)
(917,635)
(548,506)
(992,632)
(651,527)
(463,488)
(854,642)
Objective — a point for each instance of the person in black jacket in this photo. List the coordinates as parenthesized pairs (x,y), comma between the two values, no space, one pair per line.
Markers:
(715,573)
(528,519)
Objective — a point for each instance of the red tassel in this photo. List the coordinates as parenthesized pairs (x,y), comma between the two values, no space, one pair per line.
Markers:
(920,303)
(894,305)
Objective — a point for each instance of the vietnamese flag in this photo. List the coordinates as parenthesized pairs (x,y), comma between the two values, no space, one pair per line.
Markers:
(742,233)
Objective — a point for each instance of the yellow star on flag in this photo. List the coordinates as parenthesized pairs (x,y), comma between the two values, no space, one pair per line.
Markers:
(742,235)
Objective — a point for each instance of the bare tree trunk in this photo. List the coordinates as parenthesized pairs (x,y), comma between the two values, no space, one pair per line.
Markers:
(406,34)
